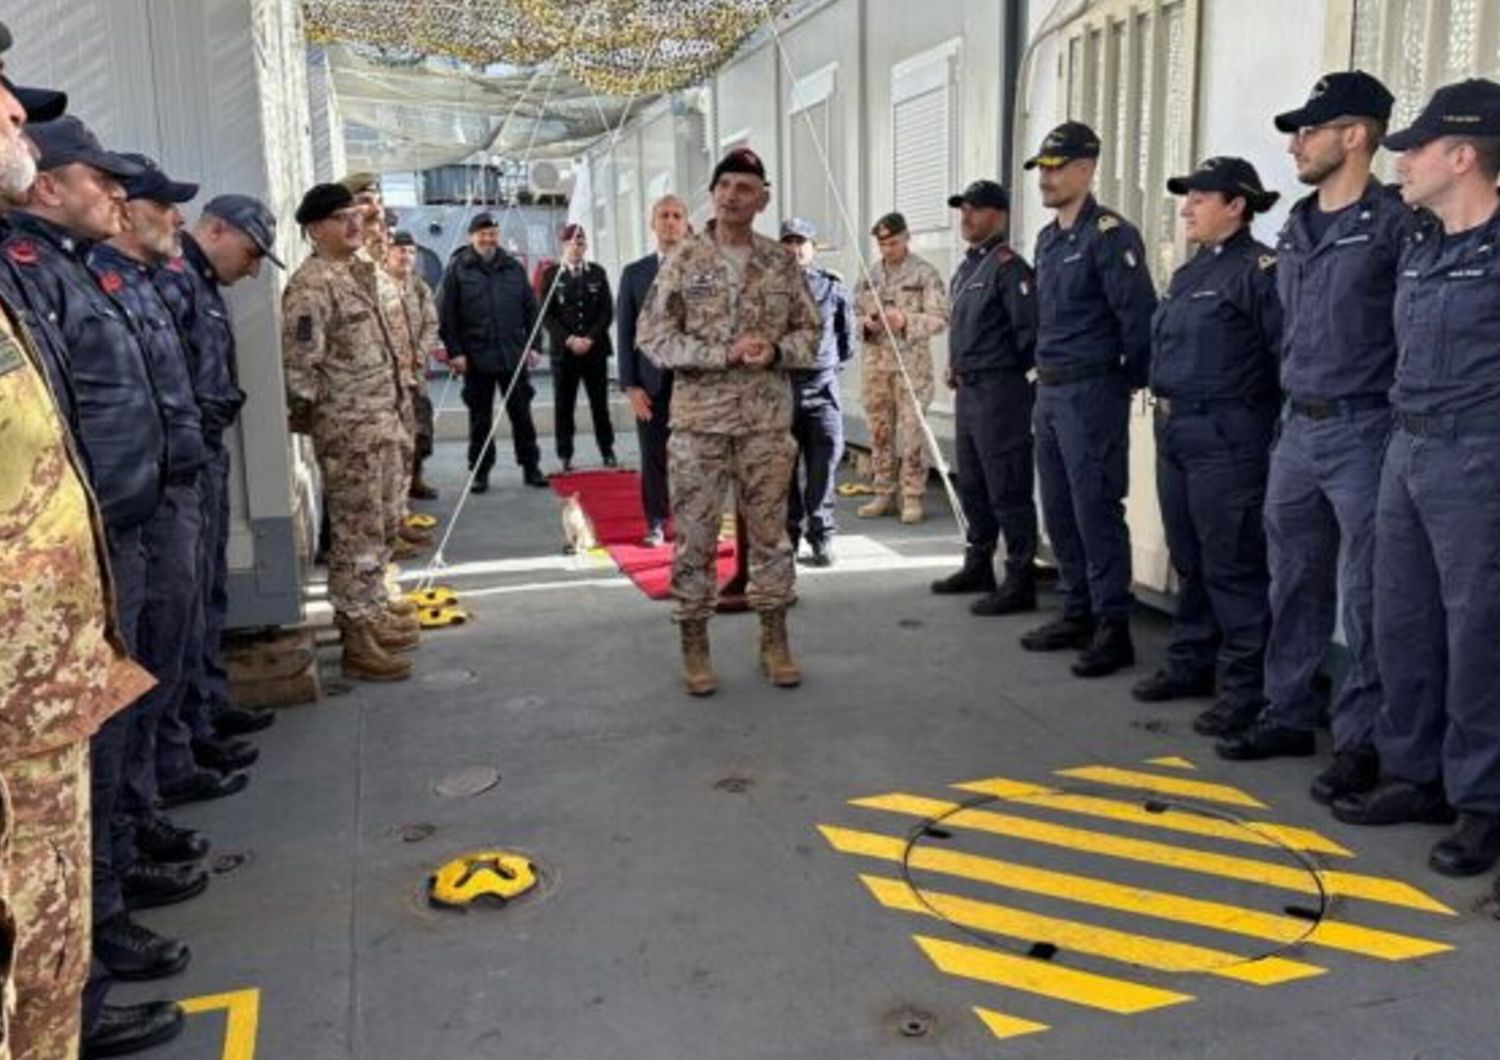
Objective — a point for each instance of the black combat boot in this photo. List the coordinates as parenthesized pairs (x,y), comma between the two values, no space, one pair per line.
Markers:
(1111,650)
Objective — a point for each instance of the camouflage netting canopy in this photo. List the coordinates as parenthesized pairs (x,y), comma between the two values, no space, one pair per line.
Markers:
(420,83)
(617,47)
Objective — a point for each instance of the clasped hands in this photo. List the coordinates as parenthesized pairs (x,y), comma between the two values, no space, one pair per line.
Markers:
(752,351)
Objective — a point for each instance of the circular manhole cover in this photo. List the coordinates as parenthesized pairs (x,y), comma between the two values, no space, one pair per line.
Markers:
(1036,877)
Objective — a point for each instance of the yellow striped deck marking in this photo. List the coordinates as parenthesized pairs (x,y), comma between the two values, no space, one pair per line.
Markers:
(1257,833)
(1187,789)
(1003,1026)
(1161,955)
(1163,905)
(1285,877)
(242,1020)
(1048,980)
(1171,762)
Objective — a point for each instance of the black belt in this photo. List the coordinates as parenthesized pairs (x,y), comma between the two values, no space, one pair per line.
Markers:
(1170,406)
(980,375)
(1447,424)
(1327,410)
(1076,373)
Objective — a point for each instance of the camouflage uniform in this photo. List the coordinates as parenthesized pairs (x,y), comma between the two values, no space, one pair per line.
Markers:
(63,672)
(344,390)
(419,316)
(729,424)
(396,469)
(915,288)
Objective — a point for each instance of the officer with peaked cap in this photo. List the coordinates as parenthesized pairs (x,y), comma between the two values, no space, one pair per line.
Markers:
(818,417)
(1337,275)
(65,670)
(1437,583)
(1093,348)
(1215,339)
(991,348)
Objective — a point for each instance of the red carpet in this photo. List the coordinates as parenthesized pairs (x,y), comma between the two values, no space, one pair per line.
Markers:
(612,500)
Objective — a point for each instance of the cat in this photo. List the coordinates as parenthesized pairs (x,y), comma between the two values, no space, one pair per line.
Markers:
(578,529)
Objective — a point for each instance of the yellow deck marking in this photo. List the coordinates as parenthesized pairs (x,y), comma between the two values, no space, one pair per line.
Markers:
(1257,833)
(1171,762)
(1329,933)
(1188,789)
(1284,877)
(1162,955)
(1003,1026)
(242,1019)
(1048,980)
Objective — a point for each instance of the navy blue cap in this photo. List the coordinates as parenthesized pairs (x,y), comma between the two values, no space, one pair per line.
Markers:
(40,104)
(1232,176)
(981,193)
(481,221)
(67,140)
(403,239)
(1466,108)
(1069,141)
(249,215)
(154,184)
(1344,94)
(798,228)
(740,160)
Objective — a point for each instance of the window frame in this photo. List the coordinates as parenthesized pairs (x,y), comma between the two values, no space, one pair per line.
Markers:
(814,89)
(912,78)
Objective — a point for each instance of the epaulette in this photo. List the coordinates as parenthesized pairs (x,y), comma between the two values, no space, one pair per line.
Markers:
(836,277)
(1108,222)
(112,282)
(1267,262)
(1004,254)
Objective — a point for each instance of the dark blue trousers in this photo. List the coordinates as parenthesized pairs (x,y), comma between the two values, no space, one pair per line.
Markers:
(173,541)
(1437,615)
(996,468)
(1211,467)
(1320,538)
(818,427)
(107,750)
(1082,458)
(652,435)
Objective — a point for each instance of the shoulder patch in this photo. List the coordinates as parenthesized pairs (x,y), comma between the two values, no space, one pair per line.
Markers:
(1267,262)
(1108,222)
(22,252)
(177,265)
(1004,254)
(304,328)
(112,282)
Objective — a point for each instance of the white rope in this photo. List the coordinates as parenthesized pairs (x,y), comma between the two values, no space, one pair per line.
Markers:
(856,241)
(438,561)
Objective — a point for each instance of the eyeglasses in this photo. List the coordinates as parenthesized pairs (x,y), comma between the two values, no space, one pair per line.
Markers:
(1307,132)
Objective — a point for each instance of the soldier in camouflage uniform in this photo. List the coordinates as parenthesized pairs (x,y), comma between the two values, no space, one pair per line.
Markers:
(419,314)
(916,308)
(729,314)
(343,389)
(64,670)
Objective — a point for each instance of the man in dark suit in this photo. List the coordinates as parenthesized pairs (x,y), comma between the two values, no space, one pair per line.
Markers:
(578,315)
(649,387)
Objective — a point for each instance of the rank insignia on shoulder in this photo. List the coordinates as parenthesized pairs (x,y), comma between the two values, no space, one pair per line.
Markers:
(22,252)
(1108,222)
(1004,254)
(304,328)
(112,282)
(1267,262)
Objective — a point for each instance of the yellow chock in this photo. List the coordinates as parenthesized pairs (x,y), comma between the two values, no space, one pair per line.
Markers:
(855,489)
(437,596)
(438,617)
(493,877)
(422,521)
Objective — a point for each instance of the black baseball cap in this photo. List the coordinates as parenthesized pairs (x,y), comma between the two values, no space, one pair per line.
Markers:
(154,184)
(1466,108)
(740,160)
(403,239)
(67,140)
(40,104)
(1232,176)
(1344,94)
(1069,141)
(251,216)
(892,224)
(481,221)
(981,193)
